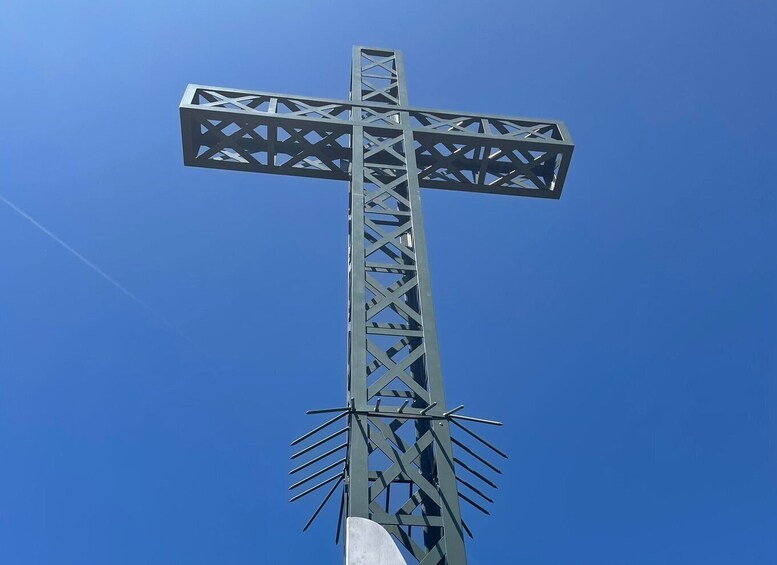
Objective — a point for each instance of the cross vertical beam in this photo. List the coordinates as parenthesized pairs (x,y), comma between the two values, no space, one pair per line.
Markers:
(392,339)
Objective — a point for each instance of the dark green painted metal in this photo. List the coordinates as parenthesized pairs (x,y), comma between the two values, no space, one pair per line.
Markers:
(399,430)
(390,169)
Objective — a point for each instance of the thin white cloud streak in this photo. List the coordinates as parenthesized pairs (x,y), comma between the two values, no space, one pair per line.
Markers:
(124,290)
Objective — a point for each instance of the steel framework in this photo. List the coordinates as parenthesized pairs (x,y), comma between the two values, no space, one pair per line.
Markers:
(394,453)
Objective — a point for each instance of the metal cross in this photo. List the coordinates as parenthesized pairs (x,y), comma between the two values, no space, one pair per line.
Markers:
(394,453)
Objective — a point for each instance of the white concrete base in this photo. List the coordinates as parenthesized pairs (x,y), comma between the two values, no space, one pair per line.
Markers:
(367,543)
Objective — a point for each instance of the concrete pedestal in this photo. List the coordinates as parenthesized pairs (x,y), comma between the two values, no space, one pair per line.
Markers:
(367,543)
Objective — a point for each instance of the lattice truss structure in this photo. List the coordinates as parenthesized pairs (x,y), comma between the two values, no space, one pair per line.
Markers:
(393,451)
(294,135)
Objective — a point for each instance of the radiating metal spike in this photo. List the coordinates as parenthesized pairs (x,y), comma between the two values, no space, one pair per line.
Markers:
(319,458)
(323,503)
(340,517)
(476,456)
(326,410)
(471,470)
(478,420)
(475,490)
(475,504)
(480,439)
(316,487)
(317,473)
(319,442)
(317,429)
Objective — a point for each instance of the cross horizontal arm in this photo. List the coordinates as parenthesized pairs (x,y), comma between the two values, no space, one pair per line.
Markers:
(295,135)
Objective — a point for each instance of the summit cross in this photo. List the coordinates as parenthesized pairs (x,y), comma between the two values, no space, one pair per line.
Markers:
(394,454)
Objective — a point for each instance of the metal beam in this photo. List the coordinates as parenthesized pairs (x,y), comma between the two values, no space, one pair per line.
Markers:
(294,135)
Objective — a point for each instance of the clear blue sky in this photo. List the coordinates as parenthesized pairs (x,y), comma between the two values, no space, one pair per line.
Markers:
(626,334)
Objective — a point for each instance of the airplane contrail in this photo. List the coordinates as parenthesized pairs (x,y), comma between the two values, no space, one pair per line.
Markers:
(94,267)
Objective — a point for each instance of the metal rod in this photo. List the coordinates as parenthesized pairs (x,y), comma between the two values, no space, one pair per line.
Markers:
(402,408)
(475,455)
(480,439)
(340,517)
(318,429)
(471,470)
(325,410)
(377,405)
(425,410)
(406,415)
(475,504)
(475,490)
(466,529)
(450,412)
(319,442)
(320,506)
(316,487)
(317,473)
(319,458)
(478,420)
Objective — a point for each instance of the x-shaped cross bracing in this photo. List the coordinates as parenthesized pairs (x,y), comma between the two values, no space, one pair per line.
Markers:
(504,133)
